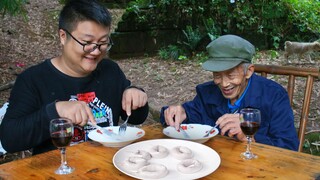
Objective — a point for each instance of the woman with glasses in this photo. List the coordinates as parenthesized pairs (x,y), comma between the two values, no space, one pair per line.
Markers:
(80,84)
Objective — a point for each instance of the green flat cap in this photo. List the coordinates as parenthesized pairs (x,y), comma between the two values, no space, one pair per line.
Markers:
(226,52)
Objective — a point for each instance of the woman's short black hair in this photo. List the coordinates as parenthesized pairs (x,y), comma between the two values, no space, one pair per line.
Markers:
(76,11)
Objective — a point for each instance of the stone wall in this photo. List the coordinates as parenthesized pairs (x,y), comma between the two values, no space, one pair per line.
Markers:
(115,3)
(133,38)
(138,43)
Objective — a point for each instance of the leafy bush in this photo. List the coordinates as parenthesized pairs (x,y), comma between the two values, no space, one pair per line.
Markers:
(212,31)
(265,23)
(310,145)
(305,14)
(171,52)
(193,36)
(12,7)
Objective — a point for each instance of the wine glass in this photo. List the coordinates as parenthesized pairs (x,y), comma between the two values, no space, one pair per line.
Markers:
(249,122)
(61,131)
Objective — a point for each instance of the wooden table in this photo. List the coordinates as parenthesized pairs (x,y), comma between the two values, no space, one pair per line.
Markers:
(93,161)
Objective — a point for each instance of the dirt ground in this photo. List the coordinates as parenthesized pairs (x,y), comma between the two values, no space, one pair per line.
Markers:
(28,42)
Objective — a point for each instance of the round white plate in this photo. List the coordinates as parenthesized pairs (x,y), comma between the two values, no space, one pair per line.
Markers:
(131,134)
(209,158)
(195,131)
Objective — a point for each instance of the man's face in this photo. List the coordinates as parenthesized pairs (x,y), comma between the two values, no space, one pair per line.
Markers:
(232,82)
(79,63)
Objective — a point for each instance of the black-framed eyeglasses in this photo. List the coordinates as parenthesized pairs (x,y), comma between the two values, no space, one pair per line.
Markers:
(89,47)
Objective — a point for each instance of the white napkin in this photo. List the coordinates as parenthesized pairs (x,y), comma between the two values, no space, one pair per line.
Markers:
(2,112)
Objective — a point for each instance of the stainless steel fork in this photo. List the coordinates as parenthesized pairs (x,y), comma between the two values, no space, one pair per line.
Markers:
(123,127)
(208,133)
(103,130)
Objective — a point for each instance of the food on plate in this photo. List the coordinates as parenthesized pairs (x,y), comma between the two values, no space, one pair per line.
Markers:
(153,171)
(143,154)
(134,163)
(182,153)
(149,164)
(159,152)
(189,166)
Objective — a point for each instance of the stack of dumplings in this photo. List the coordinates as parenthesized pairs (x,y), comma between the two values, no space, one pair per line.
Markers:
(138,162)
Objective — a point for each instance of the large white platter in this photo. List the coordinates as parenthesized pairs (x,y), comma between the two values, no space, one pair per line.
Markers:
(209,158)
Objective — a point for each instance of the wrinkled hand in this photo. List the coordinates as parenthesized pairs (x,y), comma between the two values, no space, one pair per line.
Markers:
(175,115)
(133,99)
(231,122)
(77,111)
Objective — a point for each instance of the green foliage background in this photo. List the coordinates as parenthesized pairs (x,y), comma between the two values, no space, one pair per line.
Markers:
(272,21)
(12,7)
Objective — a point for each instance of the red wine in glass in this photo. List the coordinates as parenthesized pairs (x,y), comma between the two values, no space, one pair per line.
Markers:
(249,122)
(61,132)
(60,141)
(249,128)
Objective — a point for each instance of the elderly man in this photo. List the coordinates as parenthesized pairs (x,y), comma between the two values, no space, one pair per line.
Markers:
(236,86)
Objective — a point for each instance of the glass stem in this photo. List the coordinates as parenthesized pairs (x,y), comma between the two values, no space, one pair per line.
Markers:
(249,144)
(63,157)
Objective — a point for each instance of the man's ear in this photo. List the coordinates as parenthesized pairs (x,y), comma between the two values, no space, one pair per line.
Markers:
(62,36)
(250,71)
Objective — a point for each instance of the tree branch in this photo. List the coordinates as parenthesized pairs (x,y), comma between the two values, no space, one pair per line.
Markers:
(7,86)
